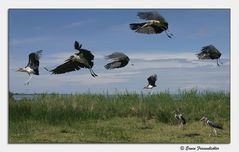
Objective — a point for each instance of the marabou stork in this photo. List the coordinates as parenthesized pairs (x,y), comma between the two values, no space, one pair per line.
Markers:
(32,66)
(82,59)
(155,24)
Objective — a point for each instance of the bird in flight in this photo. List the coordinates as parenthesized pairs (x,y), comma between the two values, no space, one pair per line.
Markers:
(119,60)
(32,65)
(210,52)
(151,82)
(82,59)
(155,24)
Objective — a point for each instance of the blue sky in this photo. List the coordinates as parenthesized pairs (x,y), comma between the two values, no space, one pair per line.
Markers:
(104,31)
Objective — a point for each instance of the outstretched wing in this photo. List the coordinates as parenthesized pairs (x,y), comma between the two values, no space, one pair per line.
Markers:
(33,61)
(209,52)
(113,65)
(151,16)
(117,56)
(68,66)
(87,54)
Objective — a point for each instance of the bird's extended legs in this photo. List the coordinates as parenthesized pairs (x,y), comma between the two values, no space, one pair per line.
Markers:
(215,131)
(93,73)
(168,34)
(27,82)
(219,62)
(182,126)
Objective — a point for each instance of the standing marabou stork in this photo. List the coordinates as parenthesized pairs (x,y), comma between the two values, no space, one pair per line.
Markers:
(179,117)
(119,60)
(81,59)
(213,125)
(155,24)
(151,81)
(210,52)
(32,66)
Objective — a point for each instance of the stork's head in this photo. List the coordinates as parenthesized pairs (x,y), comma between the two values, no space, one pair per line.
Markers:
(204,120)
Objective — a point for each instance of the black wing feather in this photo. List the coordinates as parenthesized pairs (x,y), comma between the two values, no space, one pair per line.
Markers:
(113,65)
(33,61)
(77,45)
(215,125)
(87,54)
(151,16)
(152,79)
(68,66)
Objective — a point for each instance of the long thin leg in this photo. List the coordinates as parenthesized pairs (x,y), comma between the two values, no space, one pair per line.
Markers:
(93,72)
(218,63)
(27,82)
(166,31)
(215,131)
(168,34)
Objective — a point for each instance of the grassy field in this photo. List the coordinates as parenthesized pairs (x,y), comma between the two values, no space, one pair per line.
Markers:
(122,118)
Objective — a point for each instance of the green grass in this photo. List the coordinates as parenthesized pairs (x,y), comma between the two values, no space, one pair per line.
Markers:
(122,118)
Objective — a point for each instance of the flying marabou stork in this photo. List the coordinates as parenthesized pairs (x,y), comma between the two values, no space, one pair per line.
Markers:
(210,52)
(151,82)
(155,24)
(81,59)
(32,66)
(119,60)
(212,124)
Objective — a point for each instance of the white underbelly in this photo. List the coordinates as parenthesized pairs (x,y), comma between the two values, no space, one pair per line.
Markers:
(29,70)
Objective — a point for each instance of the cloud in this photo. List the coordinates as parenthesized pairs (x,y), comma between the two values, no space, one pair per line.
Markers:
(76,24)
(174,71)
(156,56)
(15,41)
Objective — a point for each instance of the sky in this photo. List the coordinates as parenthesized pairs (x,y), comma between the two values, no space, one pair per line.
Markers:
(104,31)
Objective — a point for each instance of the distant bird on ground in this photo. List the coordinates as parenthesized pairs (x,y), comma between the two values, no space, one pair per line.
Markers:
(151,82)
(119,60)
(81,59)
(213,125)
(155,24)
(179,117)
(32,66)
(210,52)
